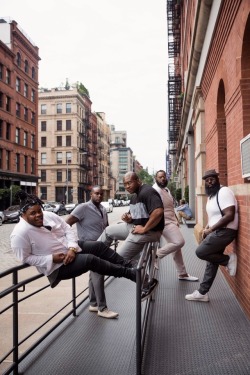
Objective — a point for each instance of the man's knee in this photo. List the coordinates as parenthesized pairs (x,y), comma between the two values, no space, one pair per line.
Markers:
(200,252)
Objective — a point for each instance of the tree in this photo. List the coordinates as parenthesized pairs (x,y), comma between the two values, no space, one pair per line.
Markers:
(145,177)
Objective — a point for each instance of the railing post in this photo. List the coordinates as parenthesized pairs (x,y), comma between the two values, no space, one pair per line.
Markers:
(74,295)
(15,324)
(138,322)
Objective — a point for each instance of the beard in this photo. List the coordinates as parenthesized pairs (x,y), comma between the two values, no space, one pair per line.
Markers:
(211,191)
(162,184)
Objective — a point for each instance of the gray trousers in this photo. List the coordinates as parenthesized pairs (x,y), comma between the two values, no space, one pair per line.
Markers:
(96,290)
(211,249)
(133,243)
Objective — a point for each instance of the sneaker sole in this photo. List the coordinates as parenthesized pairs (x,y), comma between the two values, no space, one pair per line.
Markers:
(197,299)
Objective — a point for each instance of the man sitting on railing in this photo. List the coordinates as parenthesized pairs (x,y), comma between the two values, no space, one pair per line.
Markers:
(142,224)
(44,240)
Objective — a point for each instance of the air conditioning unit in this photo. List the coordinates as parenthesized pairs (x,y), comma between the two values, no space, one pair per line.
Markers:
(245,156)
(176,179)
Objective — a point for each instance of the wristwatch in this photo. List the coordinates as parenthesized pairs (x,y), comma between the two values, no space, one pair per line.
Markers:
(73,249)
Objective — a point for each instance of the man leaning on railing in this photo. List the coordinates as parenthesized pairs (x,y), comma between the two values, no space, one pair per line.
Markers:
(44,240)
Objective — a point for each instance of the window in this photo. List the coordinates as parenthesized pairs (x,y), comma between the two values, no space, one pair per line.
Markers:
(59,125)
(18,84)
(59,175)
(59,141)
(33,72)
(1,71)
(1,128)
(18,162)
(32,118)
(1,99)
(26,66)
(69,175)
(43,192)
(8,76)
(68,124)
(8,128)
(25,115)
(32,145)
(18,135)
(43,158)
(43,109)
(1,158)
(43,141)
(68,107)
(7,160)
(32,170)
(33,96)
(26,90)
(25,164)
(43,175)
(59,157)
(25,139)
(43,126)
(18,59)
(68,157)
(59,108)
(68,140)
(18,109)
(8,104)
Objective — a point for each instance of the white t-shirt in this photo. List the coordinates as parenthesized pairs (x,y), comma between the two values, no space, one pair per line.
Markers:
(226,199)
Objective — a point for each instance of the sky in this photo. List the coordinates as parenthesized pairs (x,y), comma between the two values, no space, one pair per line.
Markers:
(118,50)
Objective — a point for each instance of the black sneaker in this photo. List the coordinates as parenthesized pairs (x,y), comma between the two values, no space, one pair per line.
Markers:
(146,292)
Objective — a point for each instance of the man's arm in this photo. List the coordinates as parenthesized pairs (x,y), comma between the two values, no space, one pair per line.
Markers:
(71,220)
(154,219)
(229,213)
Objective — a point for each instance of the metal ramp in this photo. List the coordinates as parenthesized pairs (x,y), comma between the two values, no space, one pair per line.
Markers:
(183,338)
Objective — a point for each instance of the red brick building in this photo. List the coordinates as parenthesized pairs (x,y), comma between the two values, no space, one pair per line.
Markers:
(209,118)
(18,108)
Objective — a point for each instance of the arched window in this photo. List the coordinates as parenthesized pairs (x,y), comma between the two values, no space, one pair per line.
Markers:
(26,66)
(18,59)
(33,72)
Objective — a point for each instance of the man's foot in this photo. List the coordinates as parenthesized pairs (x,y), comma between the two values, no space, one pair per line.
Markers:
(188,278)
(232,264)
(106,313)
(197,296)
(149,290)
(93,308)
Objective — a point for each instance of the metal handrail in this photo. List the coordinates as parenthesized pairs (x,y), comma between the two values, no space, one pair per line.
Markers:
(145,270)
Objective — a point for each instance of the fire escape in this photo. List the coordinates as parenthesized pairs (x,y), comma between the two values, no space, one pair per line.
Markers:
(175,96)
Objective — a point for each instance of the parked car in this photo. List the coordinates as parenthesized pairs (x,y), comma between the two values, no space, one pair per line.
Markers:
(70,207)
(48,207)
(12,214)
(108,206)
(59,208)
(1,217)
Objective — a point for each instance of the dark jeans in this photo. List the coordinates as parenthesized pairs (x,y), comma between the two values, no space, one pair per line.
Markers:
(97,257)
(211,249)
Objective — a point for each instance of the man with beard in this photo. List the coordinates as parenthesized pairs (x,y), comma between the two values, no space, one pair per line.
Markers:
(220,231)
(171,240)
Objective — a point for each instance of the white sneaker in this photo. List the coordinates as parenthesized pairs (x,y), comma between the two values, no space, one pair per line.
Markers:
(106,313)
(93,308)
(196,296)
(188,278)
(232,264)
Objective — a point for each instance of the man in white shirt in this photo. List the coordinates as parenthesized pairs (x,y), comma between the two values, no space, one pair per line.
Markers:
(44,240)
(221,230)
(171,240)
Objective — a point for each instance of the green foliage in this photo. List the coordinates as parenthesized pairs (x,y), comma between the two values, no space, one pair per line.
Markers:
(82,89)
(5,196)
(186,194)
(178,195)
(145,177)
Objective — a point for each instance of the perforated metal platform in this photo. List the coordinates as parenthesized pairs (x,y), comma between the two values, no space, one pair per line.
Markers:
(184,337)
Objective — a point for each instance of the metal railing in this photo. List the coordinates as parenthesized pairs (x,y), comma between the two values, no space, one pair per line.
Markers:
(145,272)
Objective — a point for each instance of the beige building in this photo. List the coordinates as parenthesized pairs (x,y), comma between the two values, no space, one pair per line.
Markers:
(67,141)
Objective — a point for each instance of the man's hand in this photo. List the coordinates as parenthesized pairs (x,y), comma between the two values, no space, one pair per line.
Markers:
(206,232)
(127,217)
(69,257)
(138,229)
(58,258)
